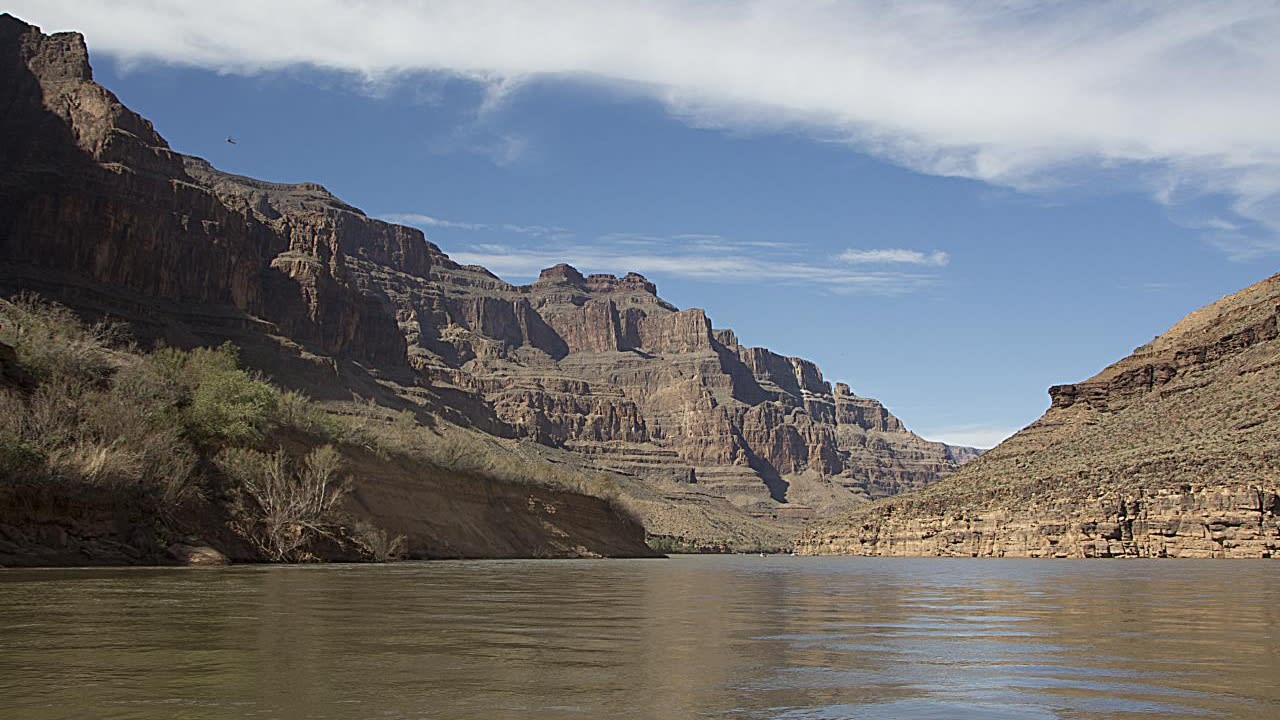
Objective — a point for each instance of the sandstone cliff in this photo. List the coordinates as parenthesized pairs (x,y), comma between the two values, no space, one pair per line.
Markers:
(1173,451)
(97,211)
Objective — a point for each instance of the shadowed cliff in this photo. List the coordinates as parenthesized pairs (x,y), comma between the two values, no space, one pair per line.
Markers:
(98,212)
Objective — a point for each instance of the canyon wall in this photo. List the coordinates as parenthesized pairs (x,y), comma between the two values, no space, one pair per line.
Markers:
(1173,451)
(96,210)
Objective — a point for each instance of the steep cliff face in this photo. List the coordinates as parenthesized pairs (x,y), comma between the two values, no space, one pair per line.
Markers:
(1172,451)
(603,366)
(89,187)
(92,196)
(98,211)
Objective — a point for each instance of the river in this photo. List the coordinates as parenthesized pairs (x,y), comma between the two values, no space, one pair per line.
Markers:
(690,637)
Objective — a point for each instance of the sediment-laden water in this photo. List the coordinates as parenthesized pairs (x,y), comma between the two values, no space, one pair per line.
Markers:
(693,637)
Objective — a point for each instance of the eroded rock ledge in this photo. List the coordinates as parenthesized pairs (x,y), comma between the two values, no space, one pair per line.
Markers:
(1173,451)
(1191,523)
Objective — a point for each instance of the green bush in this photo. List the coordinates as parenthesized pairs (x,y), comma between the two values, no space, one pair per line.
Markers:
(82,407)
(230,406)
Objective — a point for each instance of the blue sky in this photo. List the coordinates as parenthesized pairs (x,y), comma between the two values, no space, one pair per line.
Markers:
(950,210)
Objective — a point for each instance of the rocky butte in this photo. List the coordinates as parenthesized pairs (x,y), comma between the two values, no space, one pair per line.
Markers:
(714,444)
(1173,451)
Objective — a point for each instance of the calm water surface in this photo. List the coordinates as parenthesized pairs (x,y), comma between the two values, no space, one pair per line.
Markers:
(694,637)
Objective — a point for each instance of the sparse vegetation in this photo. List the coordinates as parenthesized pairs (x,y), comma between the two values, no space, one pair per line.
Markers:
(81,407)
(283,507)
(378,544)
(673,545)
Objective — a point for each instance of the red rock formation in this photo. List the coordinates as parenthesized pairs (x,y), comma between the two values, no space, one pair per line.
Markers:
(97,209)
(1173,451)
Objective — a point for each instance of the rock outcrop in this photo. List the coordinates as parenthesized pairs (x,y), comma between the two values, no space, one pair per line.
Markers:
(603,366)
(97,211)
(1173,451)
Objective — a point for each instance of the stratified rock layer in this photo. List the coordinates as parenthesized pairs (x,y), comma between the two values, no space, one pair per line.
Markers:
(98,211)
(1173,451)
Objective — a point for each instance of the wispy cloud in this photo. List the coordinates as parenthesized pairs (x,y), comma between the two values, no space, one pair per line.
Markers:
(720,263)
(889,256)
(979,436)
(549,232)
(703,256)
(1242,247)
(1177,99)
(430,221)
(502,148)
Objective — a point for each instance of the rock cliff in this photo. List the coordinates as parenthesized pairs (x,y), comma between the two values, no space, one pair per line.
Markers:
(1173,451)
(97,211)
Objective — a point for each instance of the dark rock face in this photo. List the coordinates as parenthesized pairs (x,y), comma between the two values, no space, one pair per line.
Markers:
(91,194)
(1173,451)
(95,207)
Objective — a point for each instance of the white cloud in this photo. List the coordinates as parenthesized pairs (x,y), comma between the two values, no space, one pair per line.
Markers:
(703,256)
(979,436)
(661,257)
(1179,98)
(429,221)
(548,232)
(887,256)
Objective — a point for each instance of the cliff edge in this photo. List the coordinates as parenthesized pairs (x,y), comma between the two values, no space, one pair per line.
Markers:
(1173,451)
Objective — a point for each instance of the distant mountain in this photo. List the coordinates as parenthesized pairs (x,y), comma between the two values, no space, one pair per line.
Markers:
(714,444)
(1172,451)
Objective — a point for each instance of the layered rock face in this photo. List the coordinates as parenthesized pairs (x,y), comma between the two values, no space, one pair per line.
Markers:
(1173,451)
(97,210)
(603,366)
(91,196)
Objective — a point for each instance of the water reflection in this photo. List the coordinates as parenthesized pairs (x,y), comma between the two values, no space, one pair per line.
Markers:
(742,637)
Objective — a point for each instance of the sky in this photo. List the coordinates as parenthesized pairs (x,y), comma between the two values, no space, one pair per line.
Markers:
(949,206)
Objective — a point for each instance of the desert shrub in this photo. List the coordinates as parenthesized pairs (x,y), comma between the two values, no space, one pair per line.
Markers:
(143,428)
(467,453)
(97,414)
(229,405)
(52,343)
(405,423)
(52,419)
(20,459)
(153,392)
(219,402)
(105,436)
(194,366)
(295,410)
(377,544)
(668,544)
(282,506)
(86,408)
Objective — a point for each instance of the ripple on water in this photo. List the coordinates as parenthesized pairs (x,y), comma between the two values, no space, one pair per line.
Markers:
(691,637)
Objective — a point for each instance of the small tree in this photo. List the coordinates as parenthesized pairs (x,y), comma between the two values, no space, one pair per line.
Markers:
(281,507)
(230,405)
(377,544)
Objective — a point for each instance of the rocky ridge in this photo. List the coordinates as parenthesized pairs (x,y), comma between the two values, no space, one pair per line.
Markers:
(1173,451)
(97,211)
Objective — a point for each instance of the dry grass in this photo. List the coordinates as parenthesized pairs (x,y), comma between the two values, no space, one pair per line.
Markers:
(182,426)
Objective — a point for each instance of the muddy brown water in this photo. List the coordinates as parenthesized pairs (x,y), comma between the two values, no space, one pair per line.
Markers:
(690,637)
